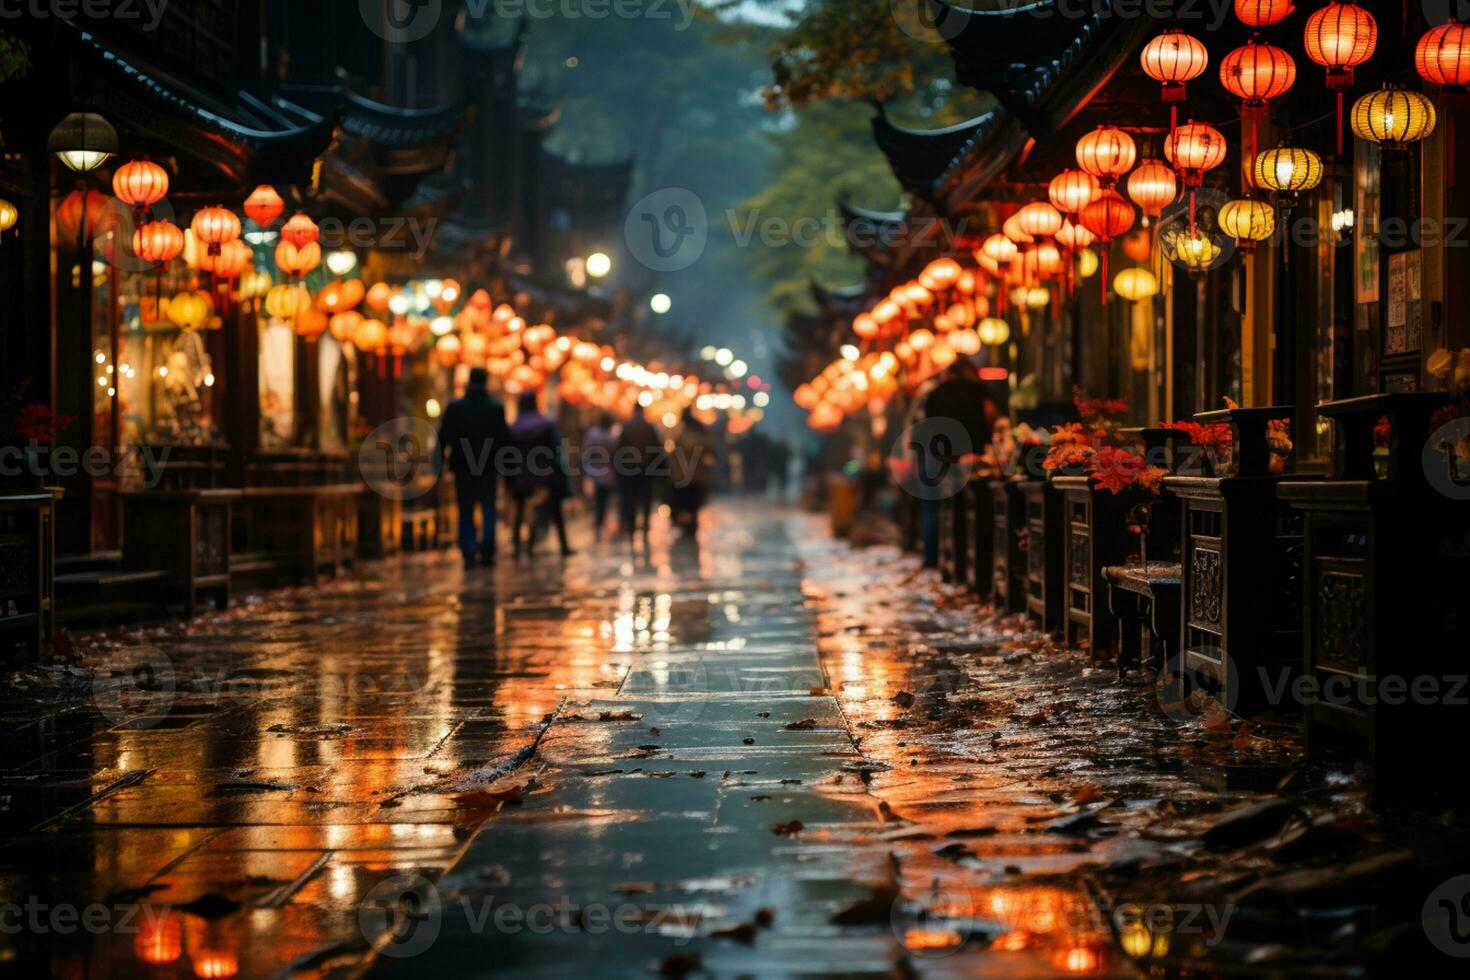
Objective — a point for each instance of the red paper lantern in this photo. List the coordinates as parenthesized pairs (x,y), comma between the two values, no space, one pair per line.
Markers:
(1442,56)
(1257,73)
(1107,218)
(301,231)
(140,184)
(1107,153)
(1262,13)
(1153,187)
(1039,219)
(1072,190)
(264,205)
(1339,37)
(158,242)
(1193,149)
(83,216)
(214,226)
(1172,59)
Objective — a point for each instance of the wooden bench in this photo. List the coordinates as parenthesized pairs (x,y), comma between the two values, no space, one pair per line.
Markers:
(28,568)
(315,525)
(1386,575)
(186,535)
(1144,601)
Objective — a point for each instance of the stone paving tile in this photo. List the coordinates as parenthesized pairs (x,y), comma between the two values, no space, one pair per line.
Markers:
(764,754)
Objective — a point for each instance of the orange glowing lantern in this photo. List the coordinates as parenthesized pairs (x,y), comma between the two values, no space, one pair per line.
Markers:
(1074,236)
(1153,187)
(1138,245)
(1193,149)
(158,242)
(1257,73)
(1107,153)
(447,350)
(264,205)
(216,965)
(1107,218)
(1039,219)
(83,216)
(1072,190)
(999,249)
(1340,37)
(372,336)
(343,326)
(1262,13)
(231,262)
(1172,59)
(865,326)
(1442,55)
(311,323)
(300,231)
(286,302)
(297,262)
(341,295)
(140,184)
(378,296)
(214,226)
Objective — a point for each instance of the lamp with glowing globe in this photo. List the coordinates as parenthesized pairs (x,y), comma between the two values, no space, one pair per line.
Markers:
(1393,117)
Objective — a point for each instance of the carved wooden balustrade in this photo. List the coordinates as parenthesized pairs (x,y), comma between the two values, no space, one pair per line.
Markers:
(1241,568)
(1043,545)
(1386,575)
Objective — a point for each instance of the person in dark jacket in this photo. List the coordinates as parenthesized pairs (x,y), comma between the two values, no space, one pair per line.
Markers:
(961,399)
(639,447)
(540,471)
(472,432)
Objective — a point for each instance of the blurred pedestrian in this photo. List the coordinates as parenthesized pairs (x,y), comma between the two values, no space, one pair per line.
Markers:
(472,431)
(638,449)
(541,473)
(692,471)
(598,447)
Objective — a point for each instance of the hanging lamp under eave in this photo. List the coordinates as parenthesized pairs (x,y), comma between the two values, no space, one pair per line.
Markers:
(1153,187)
(1172,59)
(1393,117)
(1442,57)
(1107,153)
(82,141)
(9,215)
(1287,171)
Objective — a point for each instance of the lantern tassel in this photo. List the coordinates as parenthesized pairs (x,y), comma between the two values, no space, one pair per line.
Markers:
(1339,122)
(1103,281)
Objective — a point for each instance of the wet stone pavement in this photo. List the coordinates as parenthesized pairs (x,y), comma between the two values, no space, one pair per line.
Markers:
(759,754)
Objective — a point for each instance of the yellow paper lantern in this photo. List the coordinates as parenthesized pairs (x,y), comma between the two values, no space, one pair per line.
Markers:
(1135,284)
(8,216)
(1287,170)
(1087,263)
(188,311)
(1247,221)
(993,331)
(1393,117)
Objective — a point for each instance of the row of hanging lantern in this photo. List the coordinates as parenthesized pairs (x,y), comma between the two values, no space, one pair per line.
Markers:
(1095,202)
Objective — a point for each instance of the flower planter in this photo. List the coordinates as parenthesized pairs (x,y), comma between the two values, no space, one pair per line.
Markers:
(1043,544)
(1241,559)
(1386,573)
(1007,536)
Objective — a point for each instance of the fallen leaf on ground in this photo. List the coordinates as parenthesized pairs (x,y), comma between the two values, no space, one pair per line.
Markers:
(788,829)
